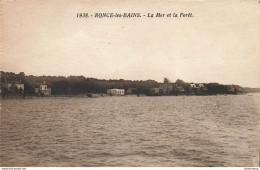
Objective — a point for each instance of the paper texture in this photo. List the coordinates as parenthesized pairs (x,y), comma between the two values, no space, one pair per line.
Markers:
(79,80)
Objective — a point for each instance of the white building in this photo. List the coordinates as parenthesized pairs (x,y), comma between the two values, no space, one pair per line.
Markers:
(9,86)
(193,85)
(18,86)
(43,87)
(116,92)
(201,85)
(156,91)
(43,90)
(131,91)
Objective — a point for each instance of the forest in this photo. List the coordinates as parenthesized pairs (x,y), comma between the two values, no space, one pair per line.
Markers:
(75,85)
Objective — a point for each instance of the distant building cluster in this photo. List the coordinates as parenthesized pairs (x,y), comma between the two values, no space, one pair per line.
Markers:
(21,84)
(17,87)
(171,88)
(163,89)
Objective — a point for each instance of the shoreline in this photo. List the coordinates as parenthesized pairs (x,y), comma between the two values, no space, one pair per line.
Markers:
(101,96)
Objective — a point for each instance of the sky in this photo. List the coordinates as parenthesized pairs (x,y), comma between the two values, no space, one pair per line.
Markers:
(221,43)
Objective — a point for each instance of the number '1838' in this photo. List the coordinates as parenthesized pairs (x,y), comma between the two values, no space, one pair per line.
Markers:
(82,15)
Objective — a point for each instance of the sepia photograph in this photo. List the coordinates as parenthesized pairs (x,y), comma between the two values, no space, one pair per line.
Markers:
(129,83)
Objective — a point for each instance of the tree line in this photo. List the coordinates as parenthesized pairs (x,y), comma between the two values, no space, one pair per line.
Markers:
(74,85)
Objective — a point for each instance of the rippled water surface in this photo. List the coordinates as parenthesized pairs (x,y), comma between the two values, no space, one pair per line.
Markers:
(131,131)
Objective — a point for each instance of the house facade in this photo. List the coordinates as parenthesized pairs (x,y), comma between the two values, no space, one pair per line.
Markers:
(116,92)
(43,90)
(131,91)
(156,91)
(16,86)
(193,85)
(199,85)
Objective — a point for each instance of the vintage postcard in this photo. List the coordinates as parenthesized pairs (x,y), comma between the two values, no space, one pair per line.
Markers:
(130,83)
